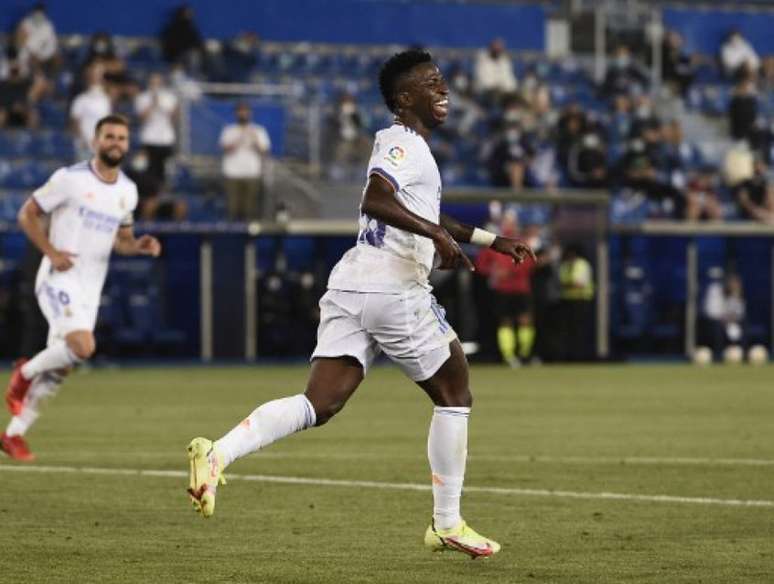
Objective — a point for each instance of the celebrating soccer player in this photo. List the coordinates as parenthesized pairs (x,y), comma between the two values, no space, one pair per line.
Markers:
(90,206)
(379,299)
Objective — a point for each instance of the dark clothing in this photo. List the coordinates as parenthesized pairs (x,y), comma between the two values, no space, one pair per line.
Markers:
(157,160)
(742,112)
(504,153)
(677,68)
(546,291)
(622,80)
(179,37)
(756,189)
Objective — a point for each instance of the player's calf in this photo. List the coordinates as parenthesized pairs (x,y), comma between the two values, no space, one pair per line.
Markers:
(82,344)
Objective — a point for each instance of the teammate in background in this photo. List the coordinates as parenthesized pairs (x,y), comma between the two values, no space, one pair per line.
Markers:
(90,205)
(378,299)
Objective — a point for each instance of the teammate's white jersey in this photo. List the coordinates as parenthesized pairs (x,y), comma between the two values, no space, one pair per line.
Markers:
(86,213)
(387,259)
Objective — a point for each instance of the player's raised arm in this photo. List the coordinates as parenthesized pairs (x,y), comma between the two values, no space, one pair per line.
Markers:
(127,244)
(463,233)
(30,220)
(380,203)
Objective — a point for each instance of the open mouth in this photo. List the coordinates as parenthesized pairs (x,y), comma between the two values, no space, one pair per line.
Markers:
(441,108)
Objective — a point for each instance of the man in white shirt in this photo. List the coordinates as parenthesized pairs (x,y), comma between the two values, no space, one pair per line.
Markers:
(36,38)
(738,56)
(87,109)
(245,145)
(157,108)
(493,71)
(90,206)
(378,300)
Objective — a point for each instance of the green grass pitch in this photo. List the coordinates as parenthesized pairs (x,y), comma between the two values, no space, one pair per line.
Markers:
(633,430)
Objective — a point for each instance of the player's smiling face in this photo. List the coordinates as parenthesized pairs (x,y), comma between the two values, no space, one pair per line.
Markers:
(112,143)
(429,94)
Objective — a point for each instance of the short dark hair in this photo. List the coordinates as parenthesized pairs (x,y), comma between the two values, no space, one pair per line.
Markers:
(112,119)
(396,67)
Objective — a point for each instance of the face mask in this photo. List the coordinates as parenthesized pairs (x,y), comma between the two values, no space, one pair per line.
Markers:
(622,62)
(460,83)
(513,135)
(140,163)
(100,46)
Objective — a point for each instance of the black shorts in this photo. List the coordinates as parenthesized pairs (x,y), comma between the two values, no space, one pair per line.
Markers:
(511,305)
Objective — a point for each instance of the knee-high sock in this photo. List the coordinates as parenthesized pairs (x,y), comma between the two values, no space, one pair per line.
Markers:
(526,336)
(268,423)
(506,341)
(447,450)
(56,356)
(43,386)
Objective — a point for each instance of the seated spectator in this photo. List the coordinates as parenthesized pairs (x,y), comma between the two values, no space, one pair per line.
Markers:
(245,145)
(157,108)
(623,75)
(702,201)
(571,126)
(240,57)
(755,196)
(466,111)
(181,41)
(588,162)
(116,78)
(19,95)
(493,75)
(743,108)
(87,109)
(738,57)
(508,160)
(153,204)
(724,313)
(678,67)
(347,133)
(36,41)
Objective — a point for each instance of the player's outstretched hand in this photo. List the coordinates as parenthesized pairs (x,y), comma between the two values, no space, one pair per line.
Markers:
(148,245)
(61,261)
(518,250)
(450,253)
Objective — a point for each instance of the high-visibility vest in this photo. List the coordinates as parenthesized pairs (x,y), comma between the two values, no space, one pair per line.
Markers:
(573,273)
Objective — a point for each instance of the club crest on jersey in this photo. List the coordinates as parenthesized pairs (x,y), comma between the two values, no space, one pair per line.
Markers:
(395,155)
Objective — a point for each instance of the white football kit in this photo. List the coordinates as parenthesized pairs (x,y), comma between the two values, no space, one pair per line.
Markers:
(86,213)
(378,295)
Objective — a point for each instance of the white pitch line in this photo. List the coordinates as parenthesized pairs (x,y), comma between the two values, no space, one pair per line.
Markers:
(397,486)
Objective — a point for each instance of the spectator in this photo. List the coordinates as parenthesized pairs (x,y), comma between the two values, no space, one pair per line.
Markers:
(118,82)
(755,196)
(157,108)
(351,144)
(724,312)
(181,40)
(571,126)
(240,57)
(576,307)
(588,162)
(623,75)
(19,95)
(546,296)
(36,41)
(509,158)
(678,66)
(743,108)
(493,72)
(511,286)
(245,146)
(701,197)
(153,204)
(738,57)
(87,109)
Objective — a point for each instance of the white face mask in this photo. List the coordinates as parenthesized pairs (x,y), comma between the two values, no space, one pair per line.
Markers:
(513,135)
(140,163)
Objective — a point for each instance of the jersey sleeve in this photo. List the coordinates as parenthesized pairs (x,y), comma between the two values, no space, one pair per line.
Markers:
(128,219)
(396,161)
(54,193)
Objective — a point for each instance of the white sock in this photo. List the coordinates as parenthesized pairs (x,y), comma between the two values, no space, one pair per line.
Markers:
(447,450)
(56,356)
(268,423)
(43,386)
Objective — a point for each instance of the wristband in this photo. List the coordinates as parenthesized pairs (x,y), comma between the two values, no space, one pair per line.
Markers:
(482,237)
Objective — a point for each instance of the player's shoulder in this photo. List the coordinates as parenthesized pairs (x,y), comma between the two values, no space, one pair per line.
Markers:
(126,182)
(71,172)
(399,145)
(399,134)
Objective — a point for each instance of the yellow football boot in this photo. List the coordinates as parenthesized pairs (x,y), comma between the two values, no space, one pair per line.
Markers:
(206,473)
(460,539)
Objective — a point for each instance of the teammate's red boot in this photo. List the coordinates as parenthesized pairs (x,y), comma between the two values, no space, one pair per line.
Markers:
(17,388)
(16,447)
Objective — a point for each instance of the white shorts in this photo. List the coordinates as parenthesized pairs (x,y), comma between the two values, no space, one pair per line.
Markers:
(410,328)
(61,300)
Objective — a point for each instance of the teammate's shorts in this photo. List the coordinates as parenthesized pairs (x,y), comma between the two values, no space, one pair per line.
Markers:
(410,328)
(62,302)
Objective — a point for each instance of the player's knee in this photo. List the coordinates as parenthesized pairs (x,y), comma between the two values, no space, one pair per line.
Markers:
(455,398)
(82,346)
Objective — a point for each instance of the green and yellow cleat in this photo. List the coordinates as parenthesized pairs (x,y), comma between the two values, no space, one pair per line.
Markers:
(460,539)
(206,473)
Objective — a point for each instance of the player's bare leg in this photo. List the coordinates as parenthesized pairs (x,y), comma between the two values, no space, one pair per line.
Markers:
(447,450)
(332,381)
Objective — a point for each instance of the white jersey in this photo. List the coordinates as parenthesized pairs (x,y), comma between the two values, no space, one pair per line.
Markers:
(387,259)
(86,213)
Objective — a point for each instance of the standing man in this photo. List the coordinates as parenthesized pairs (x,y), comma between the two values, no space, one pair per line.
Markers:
(379,299)
(90,206)
(158,109)
(244,145)
(88,108)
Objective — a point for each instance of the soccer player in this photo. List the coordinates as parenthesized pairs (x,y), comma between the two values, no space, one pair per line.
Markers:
(90,209)
(378,299)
